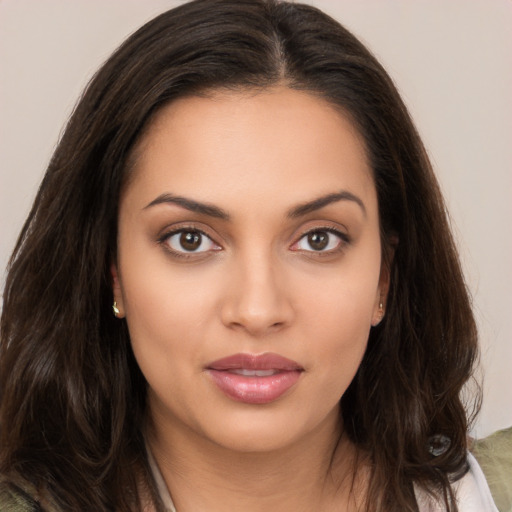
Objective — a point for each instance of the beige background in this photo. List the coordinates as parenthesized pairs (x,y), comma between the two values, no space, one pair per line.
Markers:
(451,59)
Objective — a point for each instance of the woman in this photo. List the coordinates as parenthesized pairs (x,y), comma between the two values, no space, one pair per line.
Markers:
(237,288)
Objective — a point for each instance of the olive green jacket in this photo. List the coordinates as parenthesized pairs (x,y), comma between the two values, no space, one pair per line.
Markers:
(494,454)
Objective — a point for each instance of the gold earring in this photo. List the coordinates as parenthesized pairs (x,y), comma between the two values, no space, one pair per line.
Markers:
(380,313)
(115,309)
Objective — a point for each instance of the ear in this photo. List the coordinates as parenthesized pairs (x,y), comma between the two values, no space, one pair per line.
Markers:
(118,305)
(379,307)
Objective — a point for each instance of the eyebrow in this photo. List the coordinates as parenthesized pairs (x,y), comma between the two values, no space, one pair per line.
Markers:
(321,202)
(191,205)
(216,212)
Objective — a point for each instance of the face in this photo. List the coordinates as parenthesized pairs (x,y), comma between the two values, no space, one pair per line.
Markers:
(249,265)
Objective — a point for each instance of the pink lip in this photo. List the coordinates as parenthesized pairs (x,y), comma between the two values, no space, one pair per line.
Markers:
(254,389)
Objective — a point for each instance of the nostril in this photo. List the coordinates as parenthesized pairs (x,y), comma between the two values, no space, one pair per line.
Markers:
(256,301)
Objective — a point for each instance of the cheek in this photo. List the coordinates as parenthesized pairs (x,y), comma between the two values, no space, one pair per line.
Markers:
(162,312)
(337,322)
(340,342)
(165,339)
(159,299)
(340,336)
(341,300)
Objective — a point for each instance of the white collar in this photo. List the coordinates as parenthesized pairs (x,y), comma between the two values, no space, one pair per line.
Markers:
(160,483)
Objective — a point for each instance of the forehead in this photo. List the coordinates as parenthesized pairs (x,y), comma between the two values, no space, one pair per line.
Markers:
(252,143)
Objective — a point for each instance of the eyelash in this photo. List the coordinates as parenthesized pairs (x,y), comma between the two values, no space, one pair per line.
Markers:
(344,240)
(164,239)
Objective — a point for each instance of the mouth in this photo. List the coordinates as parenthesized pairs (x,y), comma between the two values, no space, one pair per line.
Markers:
(254,379)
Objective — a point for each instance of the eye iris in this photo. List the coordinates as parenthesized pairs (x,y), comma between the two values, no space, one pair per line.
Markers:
(318,240)
(190,240)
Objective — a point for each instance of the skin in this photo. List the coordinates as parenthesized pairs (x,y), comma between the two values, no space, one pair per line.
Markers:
(255,285)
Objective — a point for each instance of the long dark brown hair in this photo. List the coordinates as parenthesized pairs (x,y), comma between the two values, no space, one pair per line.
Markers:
(72,397)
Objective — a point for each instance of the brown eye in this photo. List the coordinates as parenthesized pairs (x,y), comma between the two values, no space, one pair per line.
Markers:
(190,241)
(321,240)
(318,240)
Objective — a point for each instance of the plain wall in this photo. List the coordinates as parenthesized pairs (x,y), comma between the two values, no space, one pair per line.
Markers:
(451,60)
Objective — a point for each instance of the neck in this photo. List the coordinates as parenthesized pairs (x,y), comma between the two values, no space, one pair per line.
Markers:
(315,472)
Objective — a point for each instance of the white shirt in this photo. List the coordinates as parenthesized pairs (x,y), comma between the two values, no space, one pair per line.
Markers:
(472,492)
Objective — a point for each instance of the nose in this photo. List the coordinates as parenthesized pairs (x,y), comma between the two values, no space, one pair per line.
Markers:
(258,300)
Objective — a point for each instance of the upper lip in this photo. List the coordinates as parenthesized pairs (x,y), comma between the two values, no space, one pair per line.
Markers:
(267,361)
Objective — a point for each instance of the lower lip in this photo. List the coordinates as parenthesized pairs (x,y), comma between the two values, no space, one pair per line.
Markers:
(254,390)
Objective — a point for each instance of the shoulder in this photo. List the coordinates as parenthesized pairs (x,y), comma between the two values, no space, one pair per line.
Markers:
(494,454)
(472,491)
(14,499)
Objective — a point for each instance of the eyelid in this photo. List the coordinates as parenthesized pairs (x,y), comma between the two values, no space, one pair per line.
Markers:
(183,228)
(345,239)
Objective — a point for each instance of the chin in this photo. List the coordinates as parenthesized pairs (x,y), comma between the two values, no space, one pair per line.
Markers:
(264,431)
(253,442)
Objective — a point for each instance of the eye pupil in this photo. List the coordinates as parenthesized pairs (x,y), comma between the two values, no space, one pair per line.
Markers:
(190,240)
(318,240)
